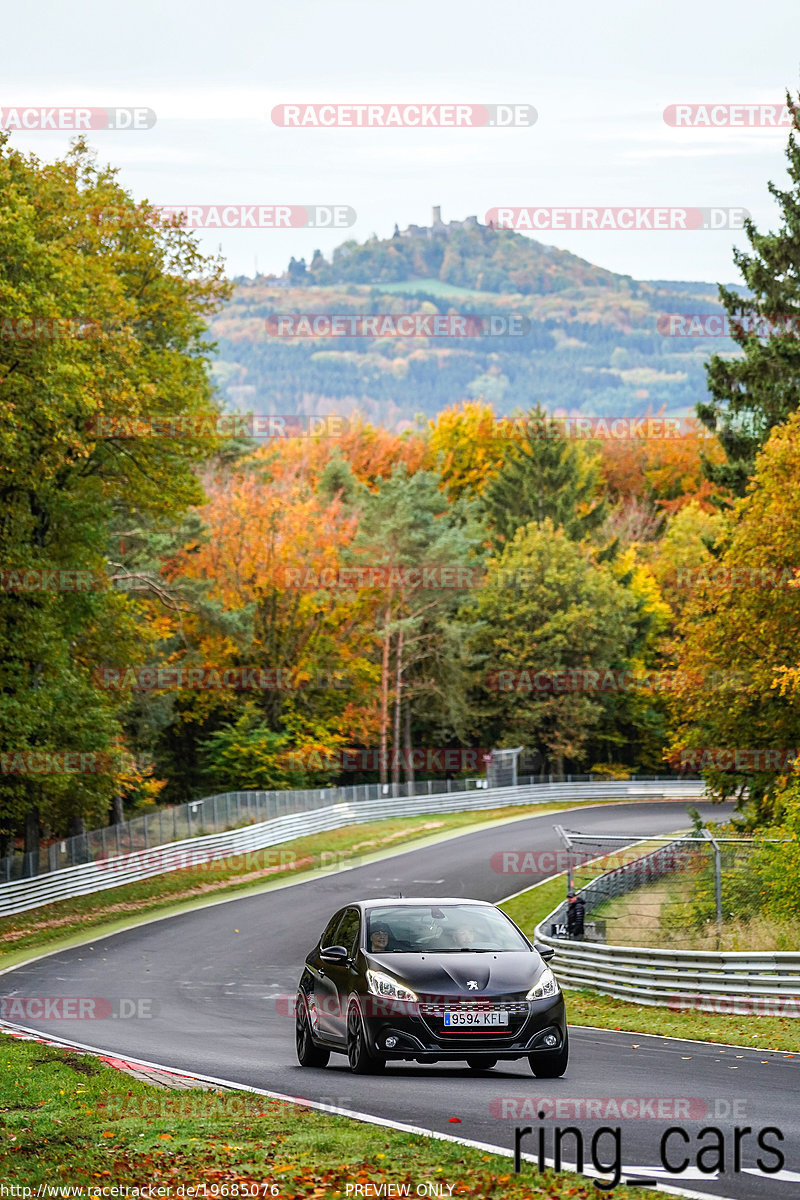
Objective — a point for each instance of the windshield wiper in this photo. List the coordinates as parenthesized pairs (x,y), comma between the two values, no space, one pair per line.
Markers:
(462,950)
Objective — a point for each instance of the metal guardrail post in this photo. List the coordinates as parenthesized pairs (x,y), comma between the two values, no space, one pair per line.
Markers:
(565,838)
(717,882)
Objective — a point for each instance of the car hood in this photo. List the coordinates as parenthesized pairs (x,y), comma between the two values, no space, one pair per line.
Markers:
(498,974)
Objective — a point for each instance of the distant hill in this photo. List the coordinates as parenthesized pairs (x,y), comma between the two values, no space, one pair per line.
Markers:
(592,340)
(462,253)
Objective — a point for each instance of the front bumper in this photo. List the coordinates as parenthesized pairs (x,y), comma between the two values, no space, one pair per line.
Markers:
(418,1031)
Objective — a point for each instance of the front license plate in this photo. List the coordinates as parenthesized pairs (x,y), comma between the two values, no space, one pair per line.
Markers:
(472,1019)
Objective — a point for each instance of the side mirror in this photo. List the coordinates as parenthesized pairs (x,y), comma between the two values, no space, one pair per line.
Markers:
(545,952)
(334,954)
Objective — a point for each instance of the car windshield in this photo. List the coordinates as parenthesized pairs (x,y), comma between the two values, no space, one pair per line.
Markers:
(440,929)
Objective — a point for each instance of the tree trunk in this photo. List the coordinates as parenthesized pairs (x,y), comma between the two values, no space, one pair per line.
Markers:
(410,778)
(31,866)
(385,694)
(76,827)
(117,812)
(398,703)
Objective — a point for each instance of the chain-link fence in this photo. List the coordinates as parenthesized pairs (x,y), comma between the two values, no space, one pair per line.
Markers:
(212,814)
(230,810)
(698,891)
(502,768)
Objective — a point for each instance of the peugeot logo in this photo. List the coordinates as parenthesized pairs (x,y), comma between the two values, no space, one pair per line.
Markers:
(472,984)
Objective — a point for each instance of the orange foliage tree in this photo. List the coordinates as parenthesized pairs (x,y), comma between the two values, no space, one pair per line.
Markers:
(667,471)
(738,717)
(269,536)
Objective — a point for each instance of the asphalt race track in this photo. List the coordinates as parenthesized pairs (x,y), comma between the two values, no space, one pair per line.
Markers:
(221,981)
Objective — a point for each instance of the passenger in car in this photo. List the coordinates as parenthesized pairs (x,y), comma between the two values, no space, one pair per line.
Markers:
(464,936)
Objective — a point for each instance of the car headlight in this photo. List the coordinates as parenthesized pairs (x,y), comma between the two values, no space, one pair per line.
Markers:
(545,986)
(383,985)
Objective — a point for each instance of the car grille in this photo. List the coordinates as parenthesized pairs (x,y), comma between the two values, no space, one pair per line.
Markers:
(432,1013)
(438,1010)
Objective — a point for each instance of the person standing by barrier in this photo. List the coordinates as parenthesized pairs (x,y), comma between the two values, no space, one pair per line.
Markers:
(576,912)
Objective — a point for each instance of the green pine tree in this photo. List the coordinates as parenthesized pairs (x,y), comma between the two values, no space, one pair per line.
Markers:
(753,393)
(546,477)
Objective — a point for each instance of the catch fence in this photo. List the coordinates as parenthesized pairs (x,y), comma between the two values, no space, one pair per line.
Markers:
(111,871)
(653,926)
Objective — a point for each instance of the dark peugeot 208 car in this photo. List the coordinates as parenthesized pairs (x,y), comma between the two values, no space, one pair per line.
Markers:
(429,980)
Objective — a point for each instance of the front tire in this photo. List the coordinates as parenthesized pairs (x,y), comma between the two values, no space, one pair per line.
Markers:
(550,1065)
(361,1060)
(309,1054)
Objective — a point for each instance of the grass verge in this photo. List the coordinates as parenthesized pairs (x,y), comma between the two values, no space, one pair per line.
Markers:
(65,921)
(667,911)
(605,1012)
(70,1121)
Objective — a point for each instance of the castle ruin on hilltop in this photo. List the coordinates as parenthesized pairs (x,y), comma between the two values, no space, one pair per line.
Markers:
(438,228)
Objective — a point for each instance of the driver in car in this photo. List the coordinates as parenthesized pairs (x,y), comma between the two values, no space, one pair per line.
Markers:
(379,938)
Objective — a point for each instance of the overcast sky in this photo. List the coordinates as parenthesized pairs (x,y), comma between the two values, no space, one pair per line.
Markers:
(599,76)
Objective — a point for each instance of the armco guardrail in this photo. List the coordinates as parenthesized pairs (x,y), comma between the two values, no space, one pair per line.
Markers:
(705,979)
(210,814)
(103,873)
(218,814)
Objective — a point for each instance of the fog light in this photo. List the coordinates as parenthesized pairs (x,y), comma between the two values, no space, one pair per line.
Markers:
(550,1040)
(390,1043)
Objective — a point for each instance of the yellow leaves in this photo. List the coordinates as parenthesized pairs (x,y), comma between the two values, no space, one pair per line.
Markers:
(466,446)
(645,586)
